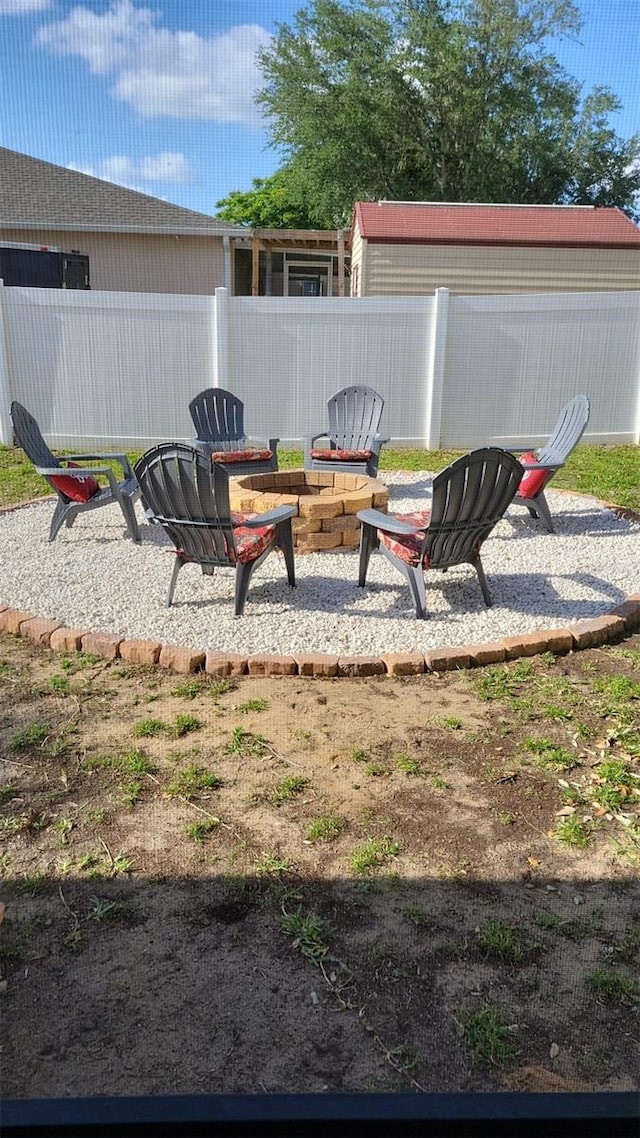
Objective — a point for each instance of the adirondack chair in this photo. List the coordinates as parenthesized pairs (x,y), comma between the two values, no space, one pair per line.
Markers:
(188,494)
(541,465)
(468,498)
(76,486)
(218,417)
(354,440)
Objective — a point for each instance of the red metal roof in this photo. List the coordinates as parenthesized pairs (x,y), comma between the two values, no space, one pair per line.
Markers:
(445,224)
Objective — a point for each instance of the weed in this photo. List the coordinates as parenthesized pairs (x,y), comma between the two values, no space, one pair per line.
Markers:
(613,986)
(439,783)
(308,933)
(200,831)
(30,736)
(502,682)
(222,686)
(452,722)
(372,854)
(8,791)
(287,789)
(501,941)
(419,919)
(548,756)
(407,764)
(183,724)
(133,761)
(486,1034)
(615,787)
(246,743)
(121,863)
(325,828)
(33,884)
(147,728)
(629,948)
(131,792)
(14,823)
(96,817)
(556,713)
(272,865)
(59,685)
(358,754)
(252,705)
(375,769)
(188,689)
(573,832)
(505,818)
(192,782)
(104,910)
(63,827)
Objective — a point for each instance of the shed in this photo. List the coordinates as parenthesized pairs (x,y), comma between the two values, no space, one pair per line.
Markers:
(413,248)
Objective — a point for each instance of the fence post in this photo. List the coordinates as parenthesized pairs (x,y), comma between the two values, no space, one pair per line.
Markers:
(435,372)
(6,426)
(221,348)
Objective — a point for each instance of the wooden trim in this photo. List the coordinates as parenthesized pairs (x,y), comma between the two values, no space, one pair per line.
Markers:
(255,265)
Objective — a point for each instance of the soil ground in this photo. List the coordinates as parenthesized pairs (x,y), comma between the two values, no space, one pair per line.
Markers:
(298,885)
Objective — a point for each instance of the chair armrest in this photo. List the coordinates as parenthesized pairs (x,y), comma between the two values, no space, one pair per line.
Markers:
(121,458)
(541,465)
(273,444)
(378,442)
(73,471)
(386,522)
(272,517)
(310,440)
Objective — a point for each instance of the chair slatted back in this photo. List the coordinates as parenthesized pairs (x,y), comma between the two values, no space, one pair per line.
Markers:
(29,437)
(354,417)
(189,496)
(218,417)
(469,498)
(567,432)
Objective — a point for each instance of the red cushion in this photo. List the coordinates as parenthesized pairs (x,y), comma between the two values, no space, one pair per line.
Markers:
(77,489)
(407,546)
(250,543)
(342,455)
(241,455)
(533,480)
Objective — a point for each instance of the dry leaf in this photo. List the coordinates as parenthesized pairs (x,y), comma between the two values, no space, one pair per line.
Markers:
(554,1050)
(3,911)
(565,812)
(533,861)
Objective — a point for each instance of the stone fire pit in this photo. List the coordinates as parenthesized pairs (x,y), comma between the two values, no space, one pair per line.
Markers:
(326,503)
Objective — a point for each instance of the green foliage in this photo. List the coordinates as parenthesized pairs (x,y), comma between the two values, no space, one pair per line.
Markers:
(372,854)
(486,1034)
(287,789)
(447,101)
(271,203)
(192,782)
(325,828)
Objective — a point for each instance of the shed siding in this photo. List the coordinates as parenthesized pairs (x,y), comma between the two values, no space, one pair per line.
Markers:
(130,262)
(411,270)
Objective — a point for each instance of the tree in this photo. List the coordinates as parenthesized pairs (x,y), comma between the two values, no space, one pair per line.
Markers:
(439,100)
(272,203)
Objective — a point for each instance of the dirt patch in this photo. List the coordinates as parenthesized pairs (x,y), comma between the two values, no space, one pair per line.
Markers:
(280,884)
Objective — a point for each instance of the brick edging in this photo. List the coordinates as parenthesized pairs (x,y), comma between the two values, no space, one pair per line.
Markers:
(620,621)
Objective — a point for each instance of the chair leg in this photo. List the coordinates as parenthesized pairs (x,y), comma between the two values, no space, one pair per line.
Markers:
(544,513)
(63,512)
(415,577)
(368,542)
(477,564)
(128,510)
(243,576)
(180,561)
(284,541)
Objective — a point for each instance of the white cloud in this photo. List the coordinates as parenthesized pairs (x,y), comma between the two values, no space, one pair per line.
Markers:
(135,174)
(23,7)
(161,72)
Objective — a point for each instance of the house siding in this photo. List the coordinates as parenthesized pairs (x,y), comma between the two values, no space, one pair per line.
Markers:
(412,270)
(128,262)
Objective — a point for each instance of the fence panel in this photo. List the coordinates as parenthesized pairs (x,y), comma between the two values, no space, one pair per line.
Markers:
(99,368)
(288,356)
(512,362)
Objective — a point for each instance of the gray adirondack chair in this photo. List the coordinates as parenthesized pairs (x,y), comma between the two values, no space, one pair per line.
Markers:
(566,435)
(468,499)
(354,439)
(188,494)
(218,418)
(76,486)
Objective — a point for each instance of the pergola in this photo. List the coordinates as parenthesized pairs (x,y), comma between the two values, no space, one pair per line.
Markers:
(333,241)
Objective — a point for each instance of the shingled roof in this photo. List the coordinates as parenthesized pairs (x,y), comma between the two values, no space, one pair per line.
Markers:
(34,193)
(443,223)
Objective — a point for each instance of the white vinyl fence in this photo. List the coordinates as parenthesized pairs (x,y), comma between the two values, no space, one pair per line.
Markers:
(105,370)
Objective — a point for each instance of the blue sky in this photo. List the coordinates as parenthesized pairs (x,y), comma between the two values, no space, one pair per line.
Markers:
(157,94)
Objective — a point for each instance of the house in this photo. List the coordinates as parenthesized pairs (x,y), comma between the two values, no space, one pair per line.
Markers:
(413,248)
(109,238)
(63,229)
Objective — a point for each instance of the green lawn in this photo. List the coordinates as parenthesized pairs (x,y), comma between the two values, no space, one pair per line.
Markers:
(610,472)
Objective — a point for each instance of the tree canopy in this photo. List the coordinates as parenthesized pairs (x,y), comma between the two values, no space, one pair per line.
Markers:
(433,100)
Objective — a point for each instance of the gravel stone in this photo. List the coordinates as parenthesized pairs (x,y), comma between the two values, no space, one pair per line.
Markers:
(93,577)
